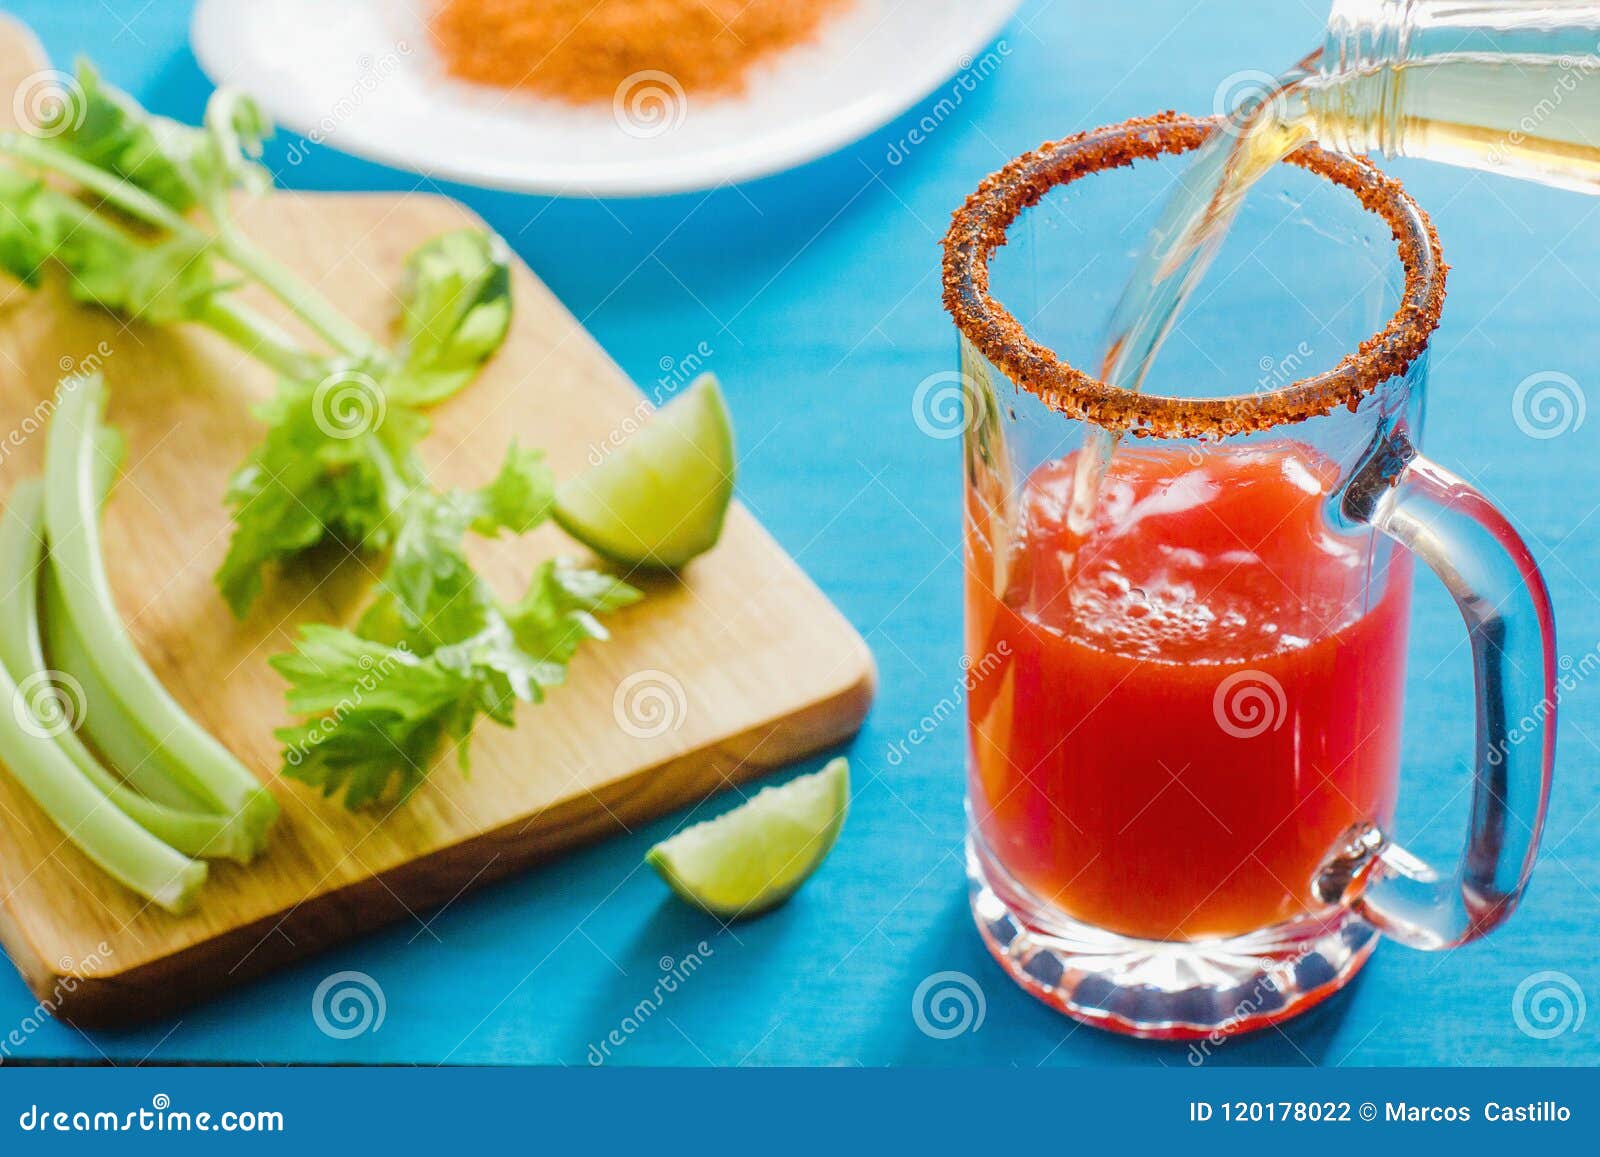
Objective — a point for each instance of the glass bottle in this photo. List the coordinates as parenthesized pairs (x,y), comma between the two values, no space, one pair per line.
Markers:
(1508,87)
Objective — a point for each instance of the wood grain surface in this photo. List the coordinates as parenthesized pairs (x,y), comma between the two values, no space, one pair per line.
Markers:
(752,666)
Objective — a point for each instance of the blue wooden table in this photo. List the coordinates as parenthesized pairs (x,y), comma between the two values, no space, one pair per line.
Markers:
(817,294)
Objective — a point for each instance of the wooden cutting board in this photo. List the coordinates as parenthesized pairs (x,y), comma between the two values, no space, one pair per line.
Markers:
(752,665)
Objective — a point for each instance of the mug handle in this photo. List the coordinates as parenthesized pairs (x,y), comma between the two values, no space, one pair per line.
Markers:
(1488,569)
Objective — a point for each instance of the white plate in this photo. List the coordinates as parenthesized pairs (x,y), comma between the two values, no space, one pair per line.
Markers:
(360,75)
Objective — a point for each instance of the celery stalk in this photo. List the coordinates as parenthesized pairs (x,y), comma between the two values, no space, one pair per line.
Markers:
(72,503)
(117,844)
(238,323)
(126,196)
(258,337)
(300,296)
(109,726)
(194,833)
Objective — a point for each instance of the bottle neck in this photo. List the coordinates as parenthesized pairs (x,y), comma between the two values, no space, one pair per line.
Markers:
(1495,85)
(1367,34)
(1355,97)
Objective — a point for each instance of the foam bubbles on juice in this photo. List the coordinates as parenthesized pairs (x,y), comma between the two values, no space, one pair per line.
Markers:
(1214,557)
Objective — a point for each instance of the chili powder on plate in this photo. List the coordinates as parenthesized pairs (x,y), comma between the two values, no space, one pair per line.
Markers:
(583,51)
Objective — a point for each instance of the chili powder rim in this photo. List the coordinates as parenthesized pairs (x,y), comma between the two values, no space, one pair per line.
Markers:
(979,227)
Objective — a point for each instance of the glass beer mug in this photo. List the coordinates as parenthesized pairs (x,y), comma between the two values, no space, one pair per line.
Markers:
(1185,711)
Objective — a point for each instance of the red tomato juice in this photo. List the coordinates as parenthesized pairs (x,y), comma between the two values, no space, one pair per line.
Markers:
(1182,708)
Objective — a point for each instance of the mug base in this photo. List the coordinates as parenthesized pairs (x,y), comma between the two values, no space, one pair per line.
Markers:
(1162,990)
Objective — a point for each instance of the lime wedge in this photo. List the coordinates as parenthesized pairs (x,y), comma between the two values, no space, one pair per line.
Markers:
(660,497)
(754,857)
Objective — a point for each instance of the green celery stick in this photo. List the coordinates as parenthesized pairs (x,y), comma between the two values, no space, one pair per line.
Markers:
(109,837)
(194,833)
(72,503)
